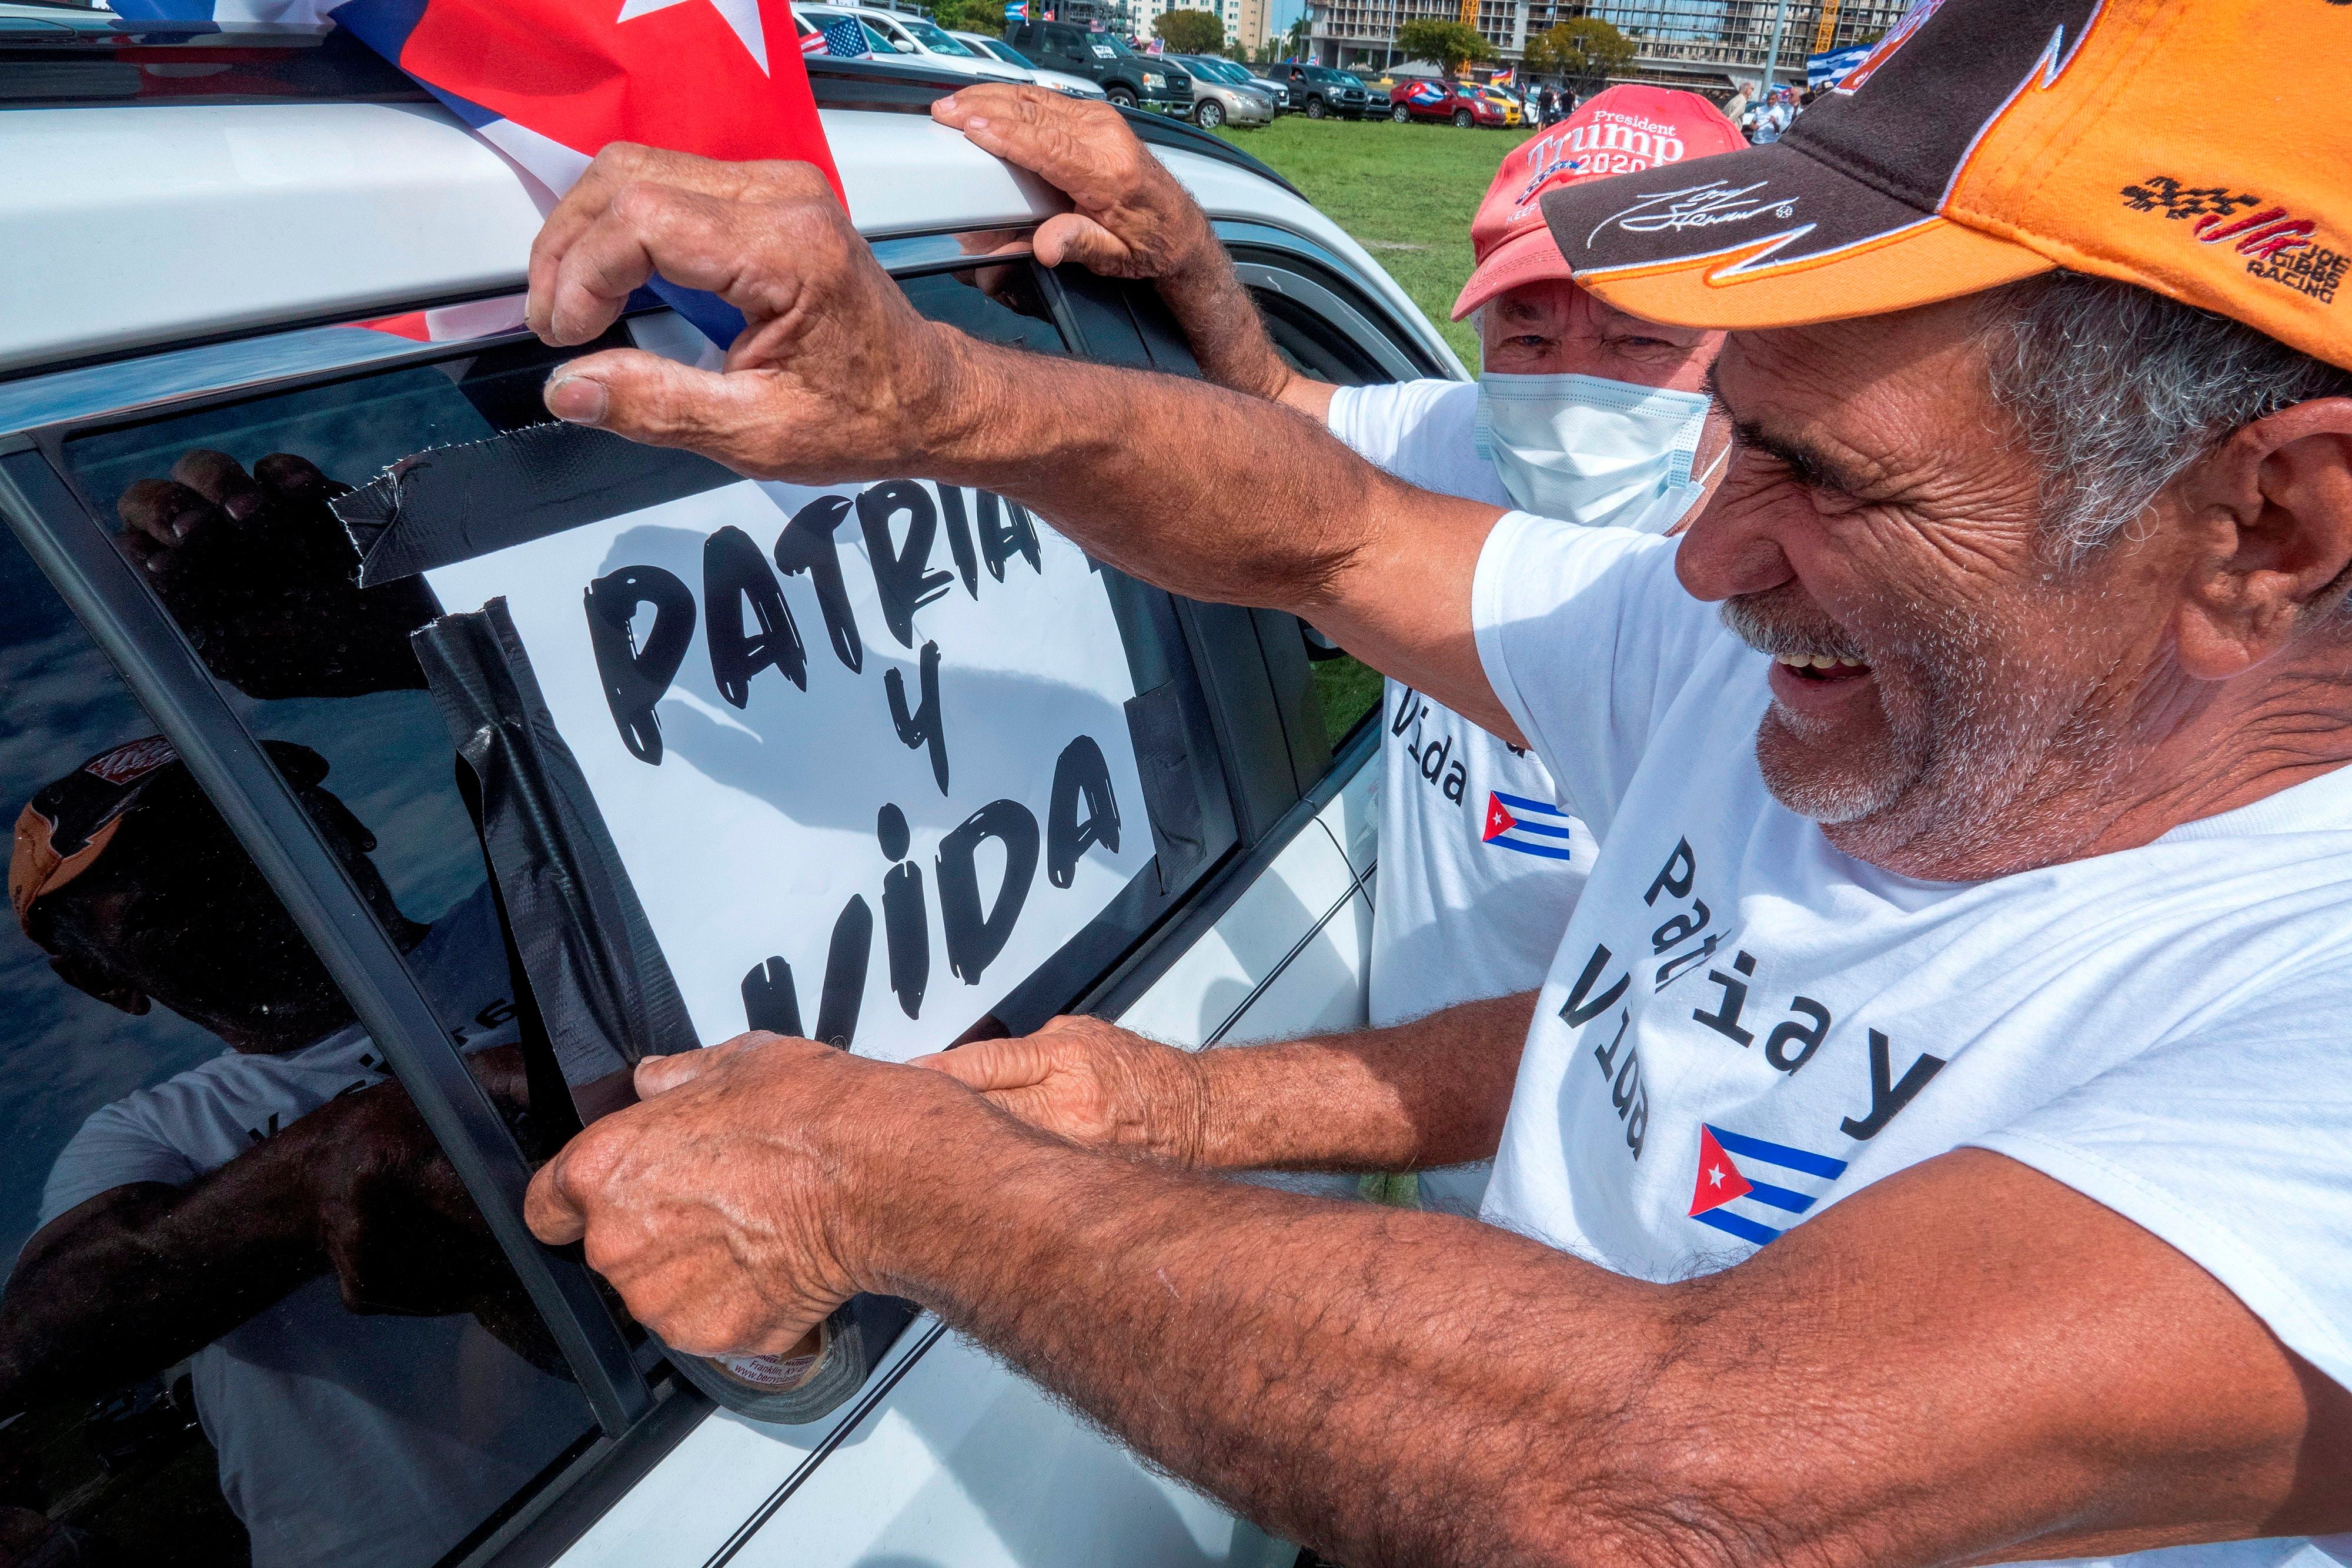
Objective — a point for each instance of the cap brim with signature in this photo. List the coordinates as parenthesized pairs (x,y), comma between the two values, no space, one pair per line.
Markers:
(1984,142)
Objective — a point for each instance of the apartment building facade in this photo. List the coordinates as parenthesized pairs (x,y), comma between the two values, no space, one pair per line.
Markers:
(1709,44)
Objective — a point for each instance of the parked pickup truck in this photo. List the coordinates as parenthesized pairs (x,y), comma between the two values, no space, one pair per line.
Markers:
(1128,78)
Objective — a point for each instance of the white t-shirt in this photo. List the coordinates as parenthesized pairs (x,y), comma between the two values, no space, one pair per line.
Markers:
(1744,1025)
(1479,865)
(357,1440)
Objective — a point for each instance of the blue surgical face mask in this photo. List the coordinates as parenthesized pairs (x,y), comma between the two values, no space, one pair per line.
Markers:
(1593,451)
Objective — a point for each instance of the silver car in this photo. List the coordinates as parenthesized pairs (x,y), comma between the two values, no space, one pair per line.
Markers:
(1238,75)
(1222,93)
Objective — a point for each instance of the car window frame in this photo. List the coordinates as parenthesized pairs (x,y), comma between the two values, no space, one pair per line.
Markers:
(641,1411)
(640,1417)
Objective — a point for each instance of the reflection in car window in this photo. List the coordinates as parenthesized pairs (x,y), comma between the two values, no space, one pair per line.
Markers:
(252,1317)
(999,304)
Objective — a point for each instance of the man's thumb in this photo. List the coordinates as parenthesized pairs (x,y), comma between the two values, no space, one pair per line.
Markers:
(1073,237)
(650,399)
(660,1074)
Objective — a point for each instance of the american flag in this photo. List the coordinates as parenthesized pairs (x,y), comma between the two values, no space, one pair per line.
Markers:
(845,38)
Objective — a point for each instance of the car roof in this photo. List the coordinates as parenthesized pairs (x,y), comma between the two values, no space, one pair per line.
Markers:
(103,167)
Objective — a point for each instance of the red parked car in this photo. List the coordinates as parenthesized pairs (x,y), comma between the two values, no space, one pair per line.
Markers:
(1432,98)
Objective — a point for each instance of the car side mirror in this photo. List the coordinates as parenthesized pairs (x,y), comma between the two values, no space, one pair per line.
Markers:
(902,45)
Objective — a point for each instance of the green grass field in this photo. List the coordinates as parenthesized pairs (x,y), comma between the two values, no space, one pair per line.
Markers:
(1406,193)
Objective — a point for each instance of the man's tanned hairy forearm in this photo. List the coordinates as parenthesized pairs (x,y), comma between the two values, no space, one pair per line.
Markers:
(1138,501)
(1124,1301)
(1433,1092)
(1430,1092)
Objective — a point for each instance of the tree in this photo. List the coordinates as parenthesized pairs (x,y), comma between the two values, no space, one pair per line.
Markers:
(1452,45)
(1190,31)
(1587,51)
(970,16)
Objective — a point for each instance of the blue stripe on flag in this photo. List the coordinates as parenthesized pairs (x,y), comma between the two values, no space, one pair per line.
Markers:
(1746,1229)
(1521,803)
(1778,1155)
(1545,850)
(1778,1196)
(707,313)
(1548,833)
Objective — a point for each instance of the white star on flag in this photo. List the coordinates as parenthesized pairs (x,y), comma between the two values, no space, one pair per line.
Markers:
(1715,1174)
(743,16)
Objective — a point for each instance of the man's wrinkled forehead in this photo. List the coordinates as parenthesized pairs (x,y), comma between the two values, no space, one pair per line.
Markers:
(1855,405)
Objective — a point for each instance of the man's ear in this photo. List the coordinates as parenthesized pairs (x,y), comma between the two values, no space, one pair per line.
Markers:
(89,979)
(2274,503)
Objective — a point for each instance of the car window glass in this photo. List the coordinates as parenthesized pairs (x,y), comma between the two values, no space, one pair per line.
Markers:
(240,544)
(1001,304)
(252,1317)
(1346,689)
(938,41)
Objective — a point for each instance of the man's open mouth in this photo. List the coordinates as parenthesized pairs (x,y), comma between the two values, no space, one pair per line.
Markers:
(1822,667)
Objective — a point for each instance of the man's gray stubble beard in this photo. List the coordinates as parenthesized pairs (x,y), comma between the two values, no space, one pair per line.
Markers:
(1962,760)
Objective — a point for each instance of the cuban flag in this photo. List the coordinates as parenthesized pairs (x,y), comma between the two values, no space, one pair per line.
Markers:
(1753,1188)
(450,323)
(1530,827)
(550,82)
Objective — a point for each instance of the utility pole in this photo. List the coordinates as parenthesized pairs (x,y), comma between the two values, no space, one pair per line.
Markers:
(1772,54)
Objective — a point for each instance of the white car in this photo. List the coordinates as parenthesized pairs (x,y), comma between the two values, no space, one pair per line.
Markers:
(918,40)
(1060,81)
(276,294)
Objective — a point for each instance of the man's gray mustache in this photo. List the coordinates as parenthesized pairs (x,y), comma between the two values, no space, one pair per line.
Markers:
(1768,634)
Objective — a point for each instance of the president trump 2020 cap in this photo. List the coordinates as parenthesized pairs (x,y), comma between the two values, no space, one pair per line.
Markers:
(2202,149)
(1625,130)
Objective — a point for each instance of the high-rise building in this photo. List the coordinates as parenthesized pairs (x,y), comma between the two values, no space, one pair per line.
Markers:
(1142,13)
(1710,44)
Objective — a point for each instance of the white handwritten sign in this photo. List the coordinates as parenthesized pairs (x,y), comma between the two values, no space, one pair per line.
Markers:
(862,749)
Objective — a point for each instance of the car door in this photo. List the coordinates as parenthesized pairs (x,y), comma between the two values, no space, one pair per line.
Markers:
(322,753)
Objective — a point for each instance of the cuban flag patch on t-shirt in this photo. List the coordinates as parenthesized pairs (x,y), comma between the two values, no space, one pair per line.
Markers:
(1754,1188)
(1530,827)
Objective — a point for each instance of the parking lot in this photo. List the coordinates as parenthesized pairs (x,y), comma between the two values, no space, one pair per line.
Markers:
(1405,191)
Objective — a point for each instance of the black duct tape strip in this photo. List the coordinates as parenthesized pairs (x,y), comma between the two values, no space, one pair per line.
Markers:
(587,948)
(1163,758)
(597,977)
(450,503)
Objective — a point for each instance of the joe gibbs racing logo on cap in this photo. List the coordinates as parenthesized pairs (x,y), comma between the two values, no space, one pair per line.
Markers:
(2280,246)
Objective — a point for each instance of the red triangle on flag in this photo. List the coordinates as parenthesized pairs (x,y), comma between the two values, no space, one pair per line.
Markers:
(1498,821)
(1719,1180)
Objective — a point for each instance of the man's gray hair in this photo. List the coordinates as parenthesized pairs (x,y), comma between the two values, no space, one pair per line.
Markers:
(2120,391)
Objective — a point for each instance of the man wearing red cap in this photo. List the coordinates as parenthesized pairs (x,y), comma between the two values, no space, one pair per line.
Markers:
(1933,1140)
(1579,411)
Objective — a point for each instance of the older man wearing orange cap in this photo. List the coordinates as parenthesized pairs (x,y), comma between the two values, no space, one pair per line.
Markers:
(1579,411)
(1933,1140)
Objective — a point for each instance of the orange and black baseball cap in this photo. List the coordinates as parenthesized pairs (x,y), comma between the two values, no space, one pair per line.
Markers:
(2200,148)
(65,828)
